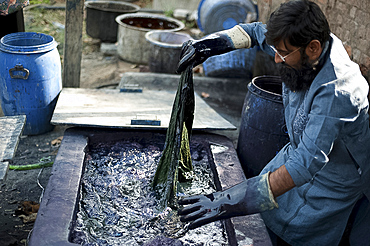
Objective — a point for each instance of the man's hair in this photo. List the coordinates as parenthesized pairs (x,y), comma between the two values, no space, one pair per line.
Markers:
(297,22)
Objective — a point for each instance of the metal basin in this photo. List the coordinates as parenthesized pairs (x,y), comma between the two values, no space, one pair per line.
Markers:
(132,45)
(101,15)
(165,50)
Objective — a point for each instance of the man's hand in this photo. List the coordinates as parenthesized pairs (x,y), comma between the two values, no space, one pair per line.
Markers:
(204,209)
(249,197)
(197,51)
(190,54)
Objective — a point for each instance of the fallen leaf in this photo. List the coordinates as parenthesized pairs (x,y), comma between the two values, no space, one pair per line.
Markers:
(57,141)
(28,218)
(43,150)
(27,208)
(205,95)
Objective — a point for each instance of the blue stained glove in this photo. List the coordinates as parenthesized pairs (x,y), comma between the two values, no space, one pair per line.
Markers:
(249,197)
(197,51)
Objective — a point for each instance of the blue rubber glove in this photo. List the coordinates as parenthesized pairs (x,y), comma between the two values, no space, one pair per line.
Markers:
(197,51)
(249,197)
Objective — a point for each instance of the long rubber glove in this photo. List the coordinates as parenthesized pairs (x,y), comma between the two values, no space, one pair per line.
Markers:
(197,51)
(249,197)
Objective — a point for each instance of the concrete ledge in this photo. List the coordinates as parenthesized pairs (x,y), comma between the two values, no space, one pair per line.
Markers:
(4,168)
(11,128)
(170,81)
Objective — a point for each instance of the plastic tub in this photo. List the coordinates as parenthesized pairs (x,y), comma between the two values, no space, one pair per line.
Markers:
(235,64)
(217,15)
(262,130)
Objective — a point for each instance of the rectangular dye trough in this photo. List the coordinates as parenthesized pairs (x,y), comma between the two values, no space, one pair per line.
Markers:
(59,207)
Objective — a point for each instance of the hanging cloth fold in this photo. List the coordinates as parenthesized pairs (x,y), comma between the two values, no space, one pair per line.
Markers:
(175,164)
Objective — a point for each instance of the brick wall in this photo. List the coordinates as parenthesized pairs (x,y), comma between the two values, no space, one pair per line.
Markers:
(348,19)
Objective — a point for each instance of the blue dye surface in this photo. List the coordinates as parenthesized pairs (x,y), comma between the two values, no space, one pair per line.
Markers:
(119,207)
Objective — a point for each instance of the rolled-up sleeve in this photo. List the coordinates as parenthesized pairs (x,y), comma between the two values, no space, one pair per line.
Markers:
(256,31)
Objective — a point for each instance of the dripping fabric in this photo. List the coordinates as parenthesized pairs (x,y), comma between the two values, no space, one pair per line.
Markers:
(175,163)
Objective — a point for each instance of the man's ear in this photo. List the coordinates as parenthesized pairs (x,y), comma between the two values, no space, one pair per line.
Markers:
(313,50)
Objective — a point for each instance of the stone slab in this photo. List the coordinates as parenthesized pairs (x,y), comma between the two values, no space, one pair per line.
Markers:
(11,128)
(114,109)
(4,168)
(170,81)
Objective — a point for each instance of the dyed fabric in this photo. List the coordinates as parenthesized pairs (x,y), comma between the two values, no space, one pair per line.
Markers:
(11,6)
(175,163)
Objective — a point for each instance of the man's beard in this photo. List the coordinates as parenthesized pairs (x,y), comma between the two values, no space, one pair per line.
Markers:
(298,79)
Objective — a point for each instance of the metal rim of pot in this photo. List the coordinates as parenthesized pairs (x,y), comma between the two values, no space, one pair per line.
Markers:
(151,16)
(91,5)
(148,37)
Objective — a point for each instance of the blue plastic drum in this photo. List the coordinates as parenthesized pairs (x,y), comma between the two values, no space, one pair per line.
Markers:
(217,15)
(30,78)
(235,64)
(262,129)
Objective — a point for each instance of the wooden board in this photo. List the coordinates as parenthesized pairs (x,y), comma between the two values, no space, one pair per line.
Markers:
(11,128)
(73,43)
(115,109)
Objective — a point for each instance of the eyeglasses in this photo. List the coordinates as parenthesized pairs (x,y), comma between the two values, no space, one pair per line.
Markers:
(283,57)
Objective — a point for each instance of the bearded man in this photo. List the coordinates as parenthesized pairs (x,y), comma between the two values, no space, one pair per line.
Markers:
(320,181)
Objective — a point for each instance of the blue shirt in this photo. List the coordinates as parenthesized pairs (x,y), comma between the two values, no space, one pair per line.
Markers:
(328,156)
